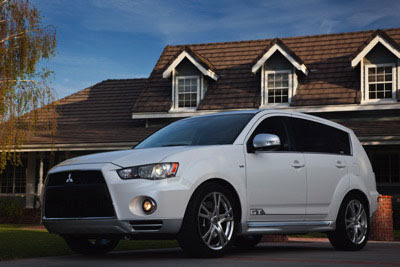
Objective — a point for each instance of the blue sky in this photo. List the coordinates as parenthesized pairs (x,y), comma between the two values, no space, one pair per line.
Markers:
(115,39)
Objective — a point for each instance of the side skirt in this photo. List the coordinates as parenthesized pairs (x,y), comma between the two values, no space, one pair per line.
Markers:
(291,227)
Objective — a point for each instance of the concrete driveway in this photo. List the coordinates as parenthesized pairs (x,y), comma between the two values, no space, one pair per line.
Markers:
(294,253)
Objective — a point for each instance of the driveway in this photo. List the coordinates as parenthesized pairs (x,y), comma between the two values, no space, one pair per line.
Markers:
(294,253)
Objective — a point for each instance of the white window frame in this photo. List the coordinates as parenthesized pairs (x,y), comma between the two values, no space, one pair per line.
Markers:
(366,84)
(176,93)
(264,91)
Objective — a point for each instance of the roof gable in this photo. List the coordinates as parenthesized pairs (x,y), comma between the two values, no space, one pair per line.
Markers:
(377,37)
(201,63)
(278,45)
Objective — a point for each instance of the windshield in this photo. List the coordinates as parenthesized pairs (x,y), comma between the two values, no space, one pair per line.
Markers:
(202,131)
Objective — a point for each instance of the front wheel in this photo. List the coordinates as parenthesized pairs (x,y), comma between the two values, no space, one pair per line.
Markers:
(211,222)
(84,245)
(352,225)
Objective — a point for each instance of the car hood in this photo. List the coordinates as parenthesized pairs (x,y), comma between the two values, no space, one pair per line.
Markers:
(127,158)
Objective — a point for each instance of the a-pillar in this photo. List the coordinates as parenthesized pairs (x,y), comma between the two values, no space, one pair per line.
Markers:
(30,180)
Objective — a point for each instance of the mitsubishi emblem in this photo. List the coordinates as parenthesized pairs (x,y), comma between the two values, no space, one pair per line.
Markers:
(69,179)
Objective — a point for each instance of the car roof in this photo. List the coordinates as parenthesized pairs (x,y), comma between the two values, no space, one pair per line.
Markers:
(266,111)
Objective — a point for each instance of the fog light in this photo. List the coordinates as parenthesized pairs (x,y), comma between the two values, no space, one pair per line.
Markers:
(149,205)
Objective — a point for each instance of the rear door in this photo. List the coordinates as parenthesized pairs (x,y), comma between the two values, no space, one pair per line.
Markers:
(276,180)
(326,151)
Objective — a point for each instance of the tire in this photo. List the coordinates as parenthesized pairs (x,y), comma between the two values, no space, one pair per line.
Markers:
(84,245)
(208,231)
(352,225)
(247,241)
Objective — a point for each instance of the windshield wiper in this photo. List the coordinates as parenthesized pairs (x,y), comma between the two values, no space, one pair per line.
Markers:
(175,145)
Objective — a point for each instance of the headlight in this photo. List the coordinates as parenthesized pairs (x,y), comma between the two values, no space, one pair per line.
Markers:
(151,171)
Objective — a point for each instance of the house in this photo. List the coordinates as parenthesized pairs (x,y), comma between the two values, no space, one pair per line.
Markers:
(351,78)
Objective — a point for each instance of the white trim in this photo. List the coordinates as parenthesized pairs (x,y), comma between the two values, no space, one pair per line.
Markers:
(370,46)
(175,93)
(365,98)
(271,51)
(305,109)
(265,89)
(168,72)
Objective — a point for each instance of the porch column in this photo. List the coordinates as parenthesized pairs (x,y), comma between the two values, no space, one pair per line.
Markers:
(30,180)
(40,184)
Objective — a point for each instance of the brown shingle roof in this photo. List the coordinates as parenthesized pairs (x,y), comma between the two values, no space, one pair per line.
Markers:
(98,114)
(331,79)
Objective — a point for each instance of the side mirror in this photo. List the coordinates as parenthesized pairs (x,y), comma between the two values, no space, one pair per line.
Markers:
(266,142)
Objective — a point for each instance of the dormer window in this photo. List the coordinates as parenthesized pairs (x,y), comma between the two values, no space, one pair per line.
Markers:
(379,59)
(189,71)
(380,81)
(278,66)
(187,92)
(278,86)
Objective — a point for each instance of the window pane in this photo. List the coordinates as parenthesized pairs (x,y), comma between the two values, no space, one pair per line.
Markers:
(271,76)
(388,94)
(316,137)
(187,92)
(371,71)
(372,78)
(388,70)
(380,70)
(380,87)
(380,94)
(380,78)
(273,125)
(388,77)
(270,84)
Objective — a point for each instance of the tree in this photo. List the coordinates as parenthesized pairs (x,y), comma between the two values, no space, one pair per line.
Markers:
(24,42)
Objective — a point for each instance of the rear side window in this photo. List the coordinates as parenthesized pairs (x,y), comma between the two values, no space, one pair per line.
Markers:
(310,136)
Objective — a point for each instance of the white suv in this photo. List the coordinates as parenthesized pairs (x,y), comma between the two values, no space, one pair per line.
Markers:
(217,181)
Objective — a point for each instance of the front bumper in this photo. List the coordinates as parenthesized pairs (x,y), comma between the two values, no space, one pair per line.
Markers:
(171,196)
(108,226)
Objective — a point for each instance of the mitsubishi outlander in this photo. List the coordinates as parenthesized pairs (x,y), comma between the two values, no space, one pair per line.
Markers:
(217,181)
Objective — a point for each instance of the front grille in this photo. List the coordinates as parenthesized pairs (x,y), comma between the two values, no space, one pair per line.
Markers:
(77,194)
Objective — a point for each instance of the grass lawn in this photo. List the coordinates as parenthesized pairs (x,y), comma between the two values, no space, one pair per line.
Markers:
(18,243)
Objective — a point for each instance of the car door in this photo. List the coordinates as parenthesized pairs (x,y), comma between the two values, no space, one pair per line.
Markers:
(325,151)
(276,180)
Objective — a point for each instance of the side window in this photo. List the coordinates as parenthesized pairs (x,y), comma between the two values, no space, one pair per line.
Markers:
(312,136)
(272,125)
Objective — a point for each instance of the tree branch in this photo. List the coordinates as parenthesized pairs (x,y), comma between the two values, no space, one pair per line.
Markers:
(22,81)
(17,35)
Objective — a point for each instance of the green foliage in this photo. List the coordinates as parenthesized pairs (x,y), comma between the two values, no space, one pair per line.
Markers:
(24,42)
(18,243)
(11,209)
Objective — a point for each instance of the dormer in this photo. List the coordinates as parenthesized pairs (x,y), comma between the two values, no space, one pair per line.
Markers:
(278,65)
(190,74)
(378,59)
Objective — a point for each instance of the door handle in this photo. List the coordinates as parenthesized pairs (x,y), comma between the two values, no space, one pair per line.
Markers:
(297,164)
(340,164)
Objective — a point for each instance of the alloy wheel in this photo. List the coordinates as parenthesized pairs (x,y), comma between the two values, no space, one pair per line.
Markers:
(216,220)
(356,221)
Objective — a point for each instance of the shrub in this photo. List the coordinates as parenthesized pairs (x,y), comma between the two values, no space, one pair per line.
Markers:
(11,209)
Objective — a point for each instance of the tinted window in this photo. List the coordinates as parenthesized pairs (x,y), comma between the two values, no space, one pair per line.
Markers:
(272,125)
(202,131)
(311,136)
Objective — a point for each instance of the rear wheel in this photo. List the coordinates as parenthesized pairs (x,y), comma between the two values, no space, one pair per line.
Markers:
(352,225)
(211,222)
(84,245)
(247,241)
